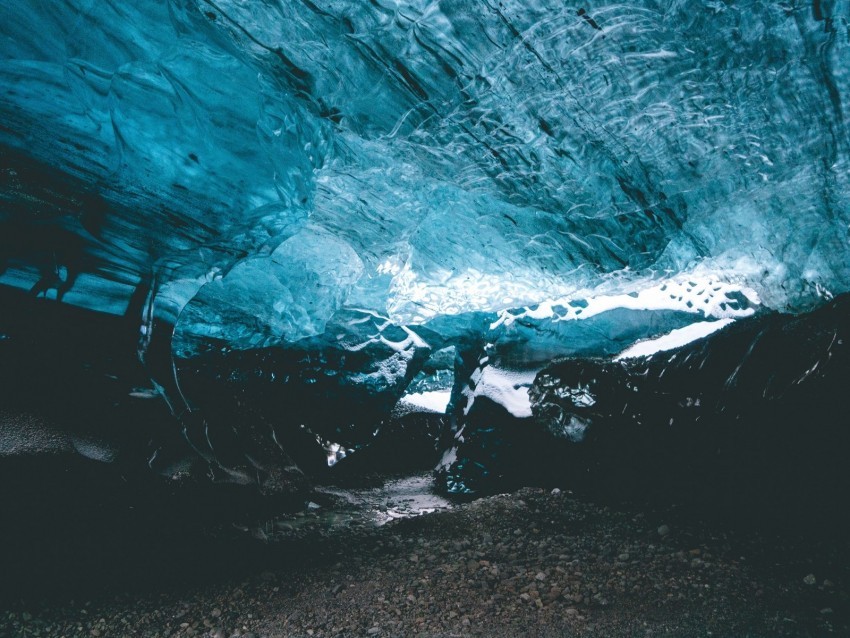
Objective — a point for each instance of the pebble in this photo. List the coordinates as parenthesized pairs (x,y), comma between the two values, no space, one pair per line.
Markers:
(454,580)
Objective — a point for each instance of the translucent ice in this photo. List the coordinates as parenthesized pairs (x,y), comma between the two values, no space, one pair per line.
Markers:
(421,159)
(518,179)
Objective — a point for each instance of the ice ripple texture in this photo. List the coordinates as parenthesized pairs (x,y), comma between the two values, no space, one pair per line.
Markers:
(264,165)
(370,190)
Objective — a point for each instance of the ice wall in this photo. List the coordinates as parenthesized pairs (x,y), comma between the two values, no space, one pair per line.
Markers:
(391,191)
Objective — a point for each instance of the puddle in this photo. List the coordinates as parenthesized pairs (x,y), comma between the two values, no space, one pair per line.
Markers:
(353,508)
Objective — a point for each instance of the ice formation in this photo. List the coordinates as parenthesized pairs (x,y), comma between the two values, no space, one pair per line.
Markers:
(337,210)
(753,414)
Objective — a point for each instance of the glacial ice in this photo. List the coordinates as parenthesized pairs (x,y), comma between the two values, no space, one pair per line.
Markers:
(753,414)
(331,208)
(427,159)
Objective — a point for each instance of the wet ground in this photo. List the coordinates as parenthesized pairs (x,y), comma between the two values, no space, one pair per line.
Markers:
(336,509)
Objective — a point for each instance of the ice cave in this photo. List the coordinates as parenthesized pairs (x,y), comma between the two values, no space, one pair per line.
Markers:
(251,247)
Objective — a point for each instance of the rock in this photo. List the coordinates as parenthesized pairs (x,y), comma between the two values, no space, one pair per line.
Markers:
(810,579)
(663,530)
(430,584)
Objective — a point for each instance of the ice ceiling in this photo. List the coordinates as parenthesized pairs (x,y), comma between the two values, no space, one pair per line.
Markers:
(389,191)
(263,166)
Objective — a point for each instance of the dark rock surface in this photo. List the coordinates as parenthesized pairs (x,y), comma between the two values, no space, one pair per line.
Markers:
(748,423)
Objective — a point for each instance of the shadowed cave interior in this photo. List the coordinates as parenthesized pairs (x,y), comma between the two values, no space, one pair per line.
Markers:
(257,255)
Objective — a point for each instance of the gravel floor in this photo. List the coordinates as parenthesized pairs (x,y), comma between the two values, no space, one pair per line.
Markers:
(533,563)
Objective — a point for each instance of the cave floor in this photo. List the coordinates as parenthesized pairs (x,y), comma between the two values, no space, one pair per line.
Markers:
(531,563)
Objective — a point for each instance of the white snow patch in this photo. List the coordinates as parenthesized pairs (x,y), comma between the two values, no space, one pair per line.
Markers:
(507,388)
(673,339)
(433,401)
(708,296)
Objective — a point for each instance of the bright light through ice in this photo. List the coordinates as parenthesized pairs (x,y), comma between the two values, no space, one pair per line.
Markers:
(415,299)
(673,339)
(708,296)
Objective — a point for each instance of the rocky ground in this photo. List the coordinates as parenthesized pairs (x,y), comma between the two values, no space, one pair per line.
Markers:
(533,563)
